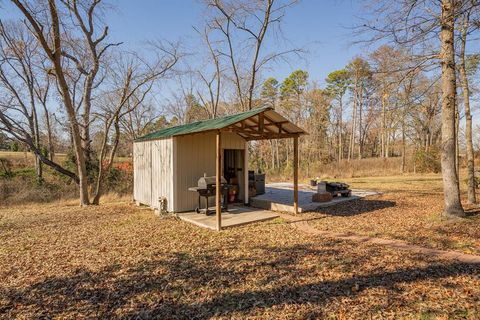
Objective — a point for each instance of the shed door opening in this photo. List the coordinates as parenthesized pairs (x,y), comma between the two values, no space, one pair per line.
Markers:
(233,173)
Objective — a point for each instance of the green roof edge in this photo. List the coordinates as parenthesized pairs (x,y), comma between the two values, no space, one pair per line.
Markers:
(202,126)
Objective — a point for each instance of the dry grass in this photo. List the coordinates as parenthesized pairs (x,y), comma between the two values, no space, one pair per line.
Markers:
(409,208)
(368,167)
(27,157)
(360,168)
(119,261)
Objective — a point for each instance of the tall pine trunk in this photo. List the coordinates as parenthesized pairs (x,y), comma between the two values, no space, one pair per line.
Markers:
(451,190)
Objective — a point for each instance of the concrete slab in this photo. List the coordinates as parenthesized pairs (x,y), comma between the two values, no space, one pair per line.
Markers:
(279,197)
(236,216)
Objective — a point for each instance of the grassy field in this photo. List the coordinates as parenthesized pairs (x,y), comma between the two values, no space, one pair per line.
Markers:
(424,183)
(28,156)
(120,261)
(409,208)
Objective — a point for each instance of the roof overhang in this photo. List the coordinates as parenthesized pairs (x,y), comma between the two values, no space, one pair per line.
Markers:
(256,124)
(265,125)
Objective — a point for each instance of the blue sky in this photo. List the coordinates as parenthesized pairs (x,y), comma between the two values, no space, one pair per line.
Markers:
(319,25)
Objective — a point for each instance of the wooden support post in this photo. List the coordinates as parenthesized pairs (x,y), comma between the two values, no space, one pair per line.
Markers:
(218,181)
(261,122)
(295,175)
(245,172)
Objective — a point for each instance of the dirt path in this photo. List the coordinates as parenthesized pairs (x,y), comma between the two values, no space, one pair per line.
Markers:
(302,224)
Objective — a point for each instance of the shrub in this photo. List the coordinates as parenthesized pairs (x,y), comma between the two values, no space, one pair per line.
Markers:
(23,188)
(120,179)
(5,168)
(428,161)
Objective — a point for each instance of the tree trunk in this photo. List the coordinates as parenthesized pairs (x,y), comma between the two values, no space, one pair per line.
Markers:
(383,124)
(451,190)
(51,148)
(457,147)
(404,150)
(70,108)
(354,124)
(55,55)
(340,125)
(387,146)
(468,115)
(360,137)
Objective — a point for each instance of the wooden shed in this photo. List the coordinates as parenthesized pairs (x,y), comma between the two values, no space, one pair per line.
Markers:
(168,162)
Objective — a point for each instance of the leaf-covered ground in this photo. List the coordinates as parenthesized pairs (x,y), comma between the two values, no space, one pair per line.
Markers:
(118,261)
(409,209)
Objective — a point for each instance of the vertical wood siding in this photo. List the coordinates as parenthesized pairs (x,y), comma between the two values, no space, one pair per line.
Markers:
(195,155)
(162,172)
(153,174)
(142,184)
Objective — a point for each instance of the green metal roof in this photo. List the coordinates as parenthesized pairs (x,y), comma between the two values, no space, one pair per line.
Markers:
(200,126)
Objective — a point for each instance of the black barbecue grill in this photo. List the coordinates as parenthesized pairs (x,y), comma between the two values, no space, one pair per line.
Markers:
(206,187)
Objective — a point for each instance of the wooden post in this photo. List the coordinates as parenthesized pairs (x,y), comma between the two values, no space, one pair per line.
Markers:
(245,172)
(295,175)
(218,175)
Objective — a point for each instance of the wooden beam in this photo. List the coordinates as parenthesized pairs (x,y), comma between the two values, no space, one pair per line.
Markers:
(275,123)
(218,175)
(249,130)
(257,123)
(246,126)
(278,124)
(295,175)
(273,136)
(261,122)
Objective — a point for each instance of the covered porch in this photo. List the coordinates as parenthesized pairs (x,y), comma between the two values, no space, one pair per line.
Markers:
(254,125)
(237,215)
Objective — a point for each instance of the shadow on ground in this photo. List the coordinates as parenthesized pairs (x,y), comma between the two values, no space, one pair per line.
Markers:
(472,212)
(190,286)
(356,207)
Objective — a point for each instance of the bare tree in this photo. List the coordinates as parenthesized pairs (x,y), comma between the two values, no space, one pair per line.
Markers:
(132,80)
(213,81)
(243,26)
(47,30)
(19,70)
(77,54)
(416,25)
(87,54)
(140,120)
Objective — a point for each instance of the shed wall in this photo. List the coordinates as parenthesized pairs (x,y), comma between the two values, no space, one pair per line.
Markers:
(195,156)
(153,172)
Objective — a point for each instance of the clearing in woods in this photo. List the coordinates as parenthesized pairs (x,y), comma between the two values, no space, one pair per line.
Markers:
(118,260)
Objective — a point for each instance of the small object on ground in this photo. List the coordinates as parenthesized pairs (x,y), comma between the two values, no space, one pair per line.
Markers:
(232,194)
(322,197)
(162,205)
(313,182)
(322,186)
(335,188)
(256,180)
